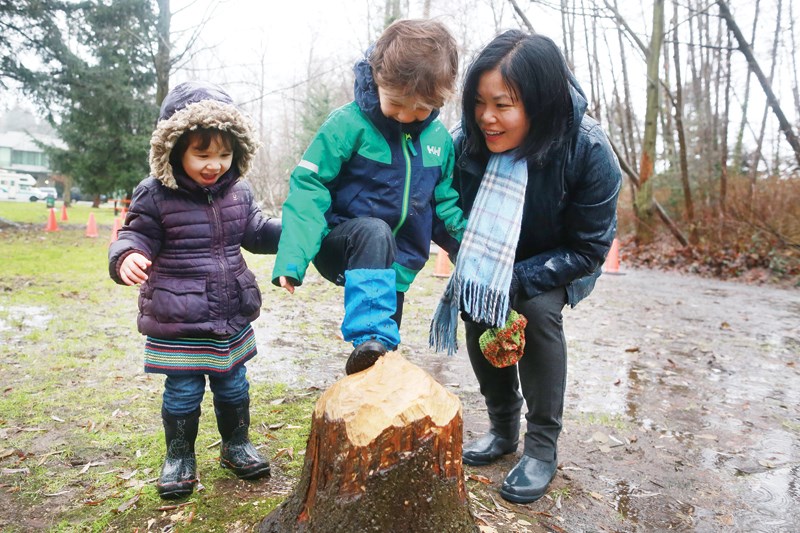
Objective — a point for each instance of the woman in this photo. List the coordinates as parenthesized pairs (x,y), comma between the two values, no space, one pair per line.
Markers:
(525,134)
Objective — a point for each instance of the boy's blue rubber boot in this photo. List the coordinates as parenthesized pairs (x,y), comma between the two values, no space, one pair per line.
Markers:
(370,300)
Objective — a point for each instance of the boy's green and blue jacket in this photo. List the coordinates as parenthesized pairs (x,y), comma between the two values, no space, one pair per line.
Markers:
(363,164)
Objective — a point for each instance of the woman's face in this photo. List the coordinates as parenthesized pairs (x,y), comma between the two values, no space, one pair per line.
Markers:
(500,115)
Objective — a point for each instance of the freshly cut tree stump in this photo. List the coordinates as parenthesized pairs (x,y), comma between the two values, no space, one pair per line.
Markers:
(384,455)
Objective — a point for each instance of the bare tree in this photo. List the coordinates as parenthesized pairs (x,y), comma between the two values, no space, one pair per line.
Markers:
(785,126)
(644,196)
(737,150)
(679,127)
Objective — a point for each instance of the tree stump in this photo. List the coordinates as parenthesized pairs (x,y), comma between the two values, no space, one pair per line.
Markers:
(384,455)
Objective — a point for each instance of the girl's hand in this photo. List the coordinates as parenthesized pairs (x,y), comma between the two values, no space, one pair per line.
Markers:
(132,271)
(287,284)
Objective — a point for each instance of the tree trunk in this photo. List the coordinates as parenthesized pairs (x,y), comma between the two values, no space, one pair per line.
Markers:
(633,138)
(384,454)
(772,100)
(163,52)
(521,14)
(682,156)
(723,176)
(737,151)
(644,196)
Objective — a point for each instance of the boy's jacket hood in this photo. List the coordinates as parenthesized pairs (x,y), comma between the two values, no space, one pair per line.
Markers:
(191,105)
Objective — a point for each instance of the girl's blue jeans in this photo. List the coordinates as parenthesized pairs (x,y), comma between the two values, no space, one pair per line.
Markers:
(184,394)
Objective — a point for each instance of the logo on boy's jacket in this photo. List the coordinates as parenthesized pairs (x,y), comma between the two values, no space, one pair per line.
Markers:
(435,150)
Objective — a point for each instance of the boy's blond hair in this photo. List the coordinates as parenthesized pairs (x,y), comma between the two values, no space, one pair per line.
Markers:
(418,57)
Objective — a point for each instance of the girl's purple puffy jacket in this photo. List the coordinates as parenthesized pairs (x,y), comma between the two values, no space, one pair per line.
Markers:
(198,284)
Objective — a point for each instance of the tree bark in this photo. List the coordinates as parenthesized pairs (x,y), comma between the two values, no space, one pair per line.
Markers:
(644,200)
(772,100)
(163,62)
(682,156)
(737,151)
(635,181)
(384,454)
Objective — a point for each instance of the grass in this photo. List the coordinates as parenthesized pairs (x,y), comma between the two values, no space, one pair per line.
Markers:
(81,441)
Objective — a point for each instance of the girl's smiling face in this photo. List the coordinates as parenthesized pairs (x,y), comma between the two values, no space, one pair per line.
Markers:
(206,165)
(500,114)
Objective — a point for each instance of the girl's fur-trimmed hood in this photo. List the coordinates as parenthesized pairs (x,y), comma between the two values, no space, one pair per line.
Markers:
(191,105)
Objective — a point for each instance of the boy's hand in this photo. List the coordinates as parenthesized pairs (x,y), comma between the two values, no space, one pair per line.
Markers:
(132,271)
(286,283)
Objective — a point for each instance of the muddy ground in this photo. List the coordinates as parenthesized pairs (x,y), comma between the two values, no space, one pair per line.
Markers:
(682,409)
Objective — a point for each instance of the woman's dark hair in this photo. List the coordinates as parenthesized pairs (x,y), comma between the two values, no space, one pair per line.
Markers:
(203,137)
(535,71)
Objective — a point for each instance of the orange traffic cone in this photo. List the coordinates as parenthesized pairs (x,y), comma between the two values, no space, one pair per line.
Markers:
(51,221)
(64,217)
(115,229)
(611,266)
(442,267)
(91,226)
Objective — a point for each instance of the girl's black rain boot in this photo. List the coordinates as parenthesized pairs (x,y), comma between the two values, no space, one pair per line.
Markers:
(179,471)
(236,451)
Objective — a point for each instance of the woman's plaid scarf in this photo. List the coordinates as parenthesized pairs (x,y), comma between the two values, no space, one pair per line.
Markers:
(485,263)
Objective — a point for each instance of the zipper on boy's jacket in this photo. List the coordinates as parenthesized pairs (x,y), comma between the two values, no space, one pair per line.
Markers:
(410,144)
(405,142)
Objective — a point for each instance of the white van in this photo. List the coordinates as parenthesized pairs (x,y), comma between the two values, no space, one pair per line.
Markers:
(14,185)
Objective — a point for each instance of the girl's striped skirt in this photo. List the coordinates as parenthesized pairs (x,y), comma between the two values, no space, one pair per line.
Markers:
(188,356)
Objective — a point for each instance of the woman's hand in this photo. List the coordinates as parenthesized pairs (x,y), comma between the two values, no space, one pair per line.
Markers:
(287,283)
(132,271)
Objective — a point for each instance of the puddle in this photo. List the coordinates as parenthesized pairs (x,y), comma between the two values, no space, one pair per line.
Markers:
(23,318)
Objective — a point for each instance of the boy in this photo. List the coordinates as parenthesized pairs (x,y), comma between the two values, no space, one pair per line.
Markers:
(372,184)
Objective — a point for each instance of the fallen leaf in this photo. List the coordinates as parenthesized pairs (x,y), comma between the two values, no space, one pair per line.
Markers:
(54,417)
(481,479)
(707,436)
(54,494)
(127,505)
(126,477)
(725,520)
(277,426)
(6,453)
(89,465)
(724,325)
(597,496)
(632,349)
(16,471)
(599,436)
(766,464)
(284,451)
(278,401)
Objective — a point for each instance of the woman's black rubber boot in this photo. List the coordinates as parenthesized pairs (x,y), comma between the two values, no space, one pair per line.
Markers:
(236,451)
(179,471)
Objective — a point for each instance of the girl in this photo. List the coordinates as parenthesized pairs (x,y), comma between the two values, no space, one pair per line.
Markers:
(182,241)
(541,183)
